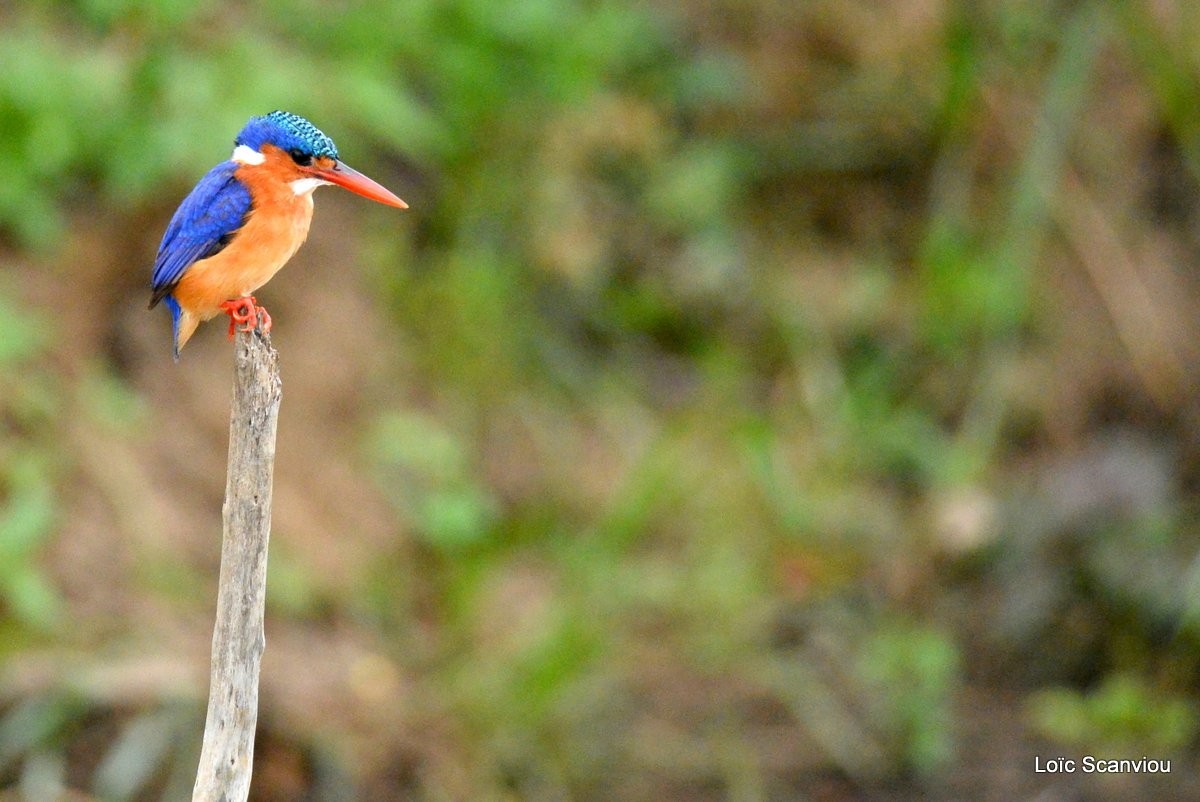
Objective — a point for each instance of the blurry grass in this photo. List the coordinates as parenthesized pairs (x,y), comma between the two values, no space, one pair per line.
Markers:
(1163,51)
(705,319)
(28,598)
(26,523)
(424,471)
(1124,716)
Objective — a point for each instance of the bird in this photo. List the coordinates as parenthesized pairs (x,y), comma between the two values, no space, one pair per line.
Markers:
(244,220)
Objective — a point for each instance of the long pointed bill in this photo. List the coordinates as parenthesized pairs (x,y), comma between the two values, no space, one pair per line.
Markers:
(346,176)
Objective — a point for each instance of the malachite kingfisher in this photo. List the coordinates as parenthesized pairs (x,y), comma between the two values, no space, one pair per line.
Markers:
(245,219)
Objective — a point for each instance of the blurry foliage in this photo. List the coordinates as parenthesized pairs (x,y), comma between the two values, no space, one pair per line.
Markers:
(28,599)
(36,725)
(27,522)
(876,692)
(915,671)
(154,750)
(424,471)
(716,318)
(1096,568)
(1123,717)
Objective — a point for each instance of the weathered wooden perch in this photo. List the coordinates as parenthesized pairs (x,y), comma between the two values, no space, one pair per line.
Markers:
(227,757)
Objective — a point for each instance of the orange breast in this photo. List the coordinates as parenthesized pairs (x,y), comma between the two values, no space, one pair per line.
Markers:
(272,233)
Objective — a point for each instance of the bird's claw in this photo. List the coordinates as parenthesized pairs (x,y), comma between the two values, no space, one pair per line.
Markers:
(248,311)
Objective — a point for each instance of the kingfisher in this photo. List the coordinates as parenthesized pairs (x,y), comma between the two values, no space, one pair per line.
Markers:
(245,220)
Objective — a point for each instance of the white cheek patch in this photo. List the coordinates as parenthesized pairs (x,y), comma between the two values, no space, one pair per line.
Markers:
(247,155)
(303,186)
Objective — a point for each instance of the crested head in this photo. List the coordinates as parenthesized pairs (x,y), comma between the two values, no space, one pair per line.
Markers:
(285,148)
(288,132)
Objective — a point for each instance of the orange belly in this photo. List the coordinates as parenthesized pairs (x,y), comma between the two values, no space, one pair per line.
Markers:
(272,234)
(273,231)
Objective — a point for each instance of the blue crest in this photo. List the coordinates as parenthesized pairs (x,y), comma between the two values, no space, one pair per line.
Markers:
(286,131)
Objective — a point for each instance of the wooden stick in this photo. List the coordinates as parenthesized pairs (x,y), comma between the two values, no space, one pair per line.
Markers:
(227,757)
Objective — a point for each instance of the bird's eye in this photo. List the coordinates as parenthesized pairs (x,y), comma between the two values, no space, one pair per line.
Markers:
(300,157)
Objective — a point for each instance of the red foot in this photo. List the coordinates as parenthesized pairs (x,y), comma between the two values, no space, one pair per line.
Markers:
(246,310)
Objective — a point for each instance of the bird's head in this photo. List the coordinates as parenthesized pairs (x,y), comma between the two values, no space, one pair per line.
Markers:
(299,153)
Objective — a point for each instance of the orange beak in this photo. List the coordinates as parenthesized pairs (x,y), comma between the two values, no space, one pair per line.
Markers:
(345,176)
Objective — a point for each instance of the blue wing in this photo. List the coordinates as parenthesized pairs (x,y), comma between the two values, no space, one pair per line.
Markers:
(203,225)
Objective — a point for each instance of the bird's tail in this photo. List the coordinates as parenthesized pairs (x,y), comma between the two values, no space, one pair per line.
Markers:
(183,325)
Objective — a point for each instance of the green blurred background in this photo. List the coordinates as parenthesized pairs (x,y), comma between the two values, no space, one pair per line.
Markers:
(761,400)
